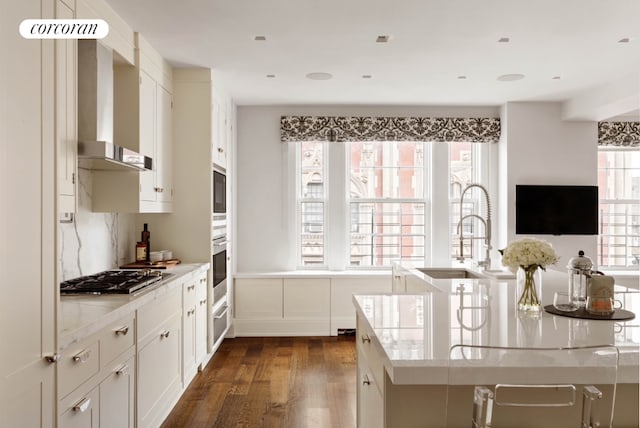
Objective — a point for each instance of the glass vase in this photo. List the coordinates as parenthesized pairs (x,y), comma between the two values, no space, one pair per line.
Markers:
(529,288)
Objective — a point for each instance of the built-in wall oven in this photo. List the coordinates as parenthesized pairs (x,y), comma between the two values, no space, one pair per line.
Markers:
(220,308)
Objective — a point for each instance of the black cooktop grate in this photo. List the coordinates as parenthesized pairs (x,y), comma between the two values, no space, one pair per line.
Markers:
(112,282)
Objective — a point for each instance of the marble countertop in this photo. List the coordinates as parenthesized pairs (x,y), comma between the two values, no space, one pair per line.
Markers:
(416,331)
(83,315)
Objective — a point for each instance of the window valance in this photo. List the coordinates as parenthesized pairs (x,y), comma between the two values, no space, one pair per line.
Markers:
(351,128)
(622,134)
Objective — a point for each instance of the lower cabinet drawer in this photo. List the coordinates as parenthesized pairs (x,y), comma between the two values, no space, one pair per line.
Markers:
(220,321)
(117,339)
(77,364)
(84,413)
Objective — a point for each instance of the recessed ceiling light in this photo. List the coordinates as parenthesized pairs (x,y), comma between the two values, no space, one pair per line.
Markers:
(260,38)
(503,40)
(367,76)
(510,77)
(556,77)
(382,39)
(624,40)
(271,76)
(319,76)
(462,77)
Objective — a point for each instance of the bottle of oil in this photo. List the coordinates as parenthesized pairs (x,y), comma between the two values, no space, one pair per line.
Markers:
(145,238)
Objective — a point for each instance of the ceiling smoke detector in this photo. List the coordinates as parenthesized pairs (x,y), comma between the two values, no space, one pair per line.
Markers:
(319,76)
(510,77)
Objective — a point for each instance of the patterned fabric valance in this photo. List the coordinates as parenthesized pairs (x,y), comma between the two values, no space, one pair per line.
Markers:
(623,134)
(326,128)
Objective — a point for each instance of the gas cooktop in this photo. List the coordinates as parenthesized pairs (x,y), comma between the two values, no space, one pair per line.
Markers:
(112,282)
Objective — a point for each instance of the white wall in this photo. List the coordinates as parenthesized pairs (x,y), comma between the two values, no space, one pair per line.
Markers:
(263,229)
(538,147)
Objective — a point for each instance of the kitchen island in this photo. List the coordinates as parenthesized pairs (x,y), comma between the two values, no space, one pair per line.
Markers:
(404,340)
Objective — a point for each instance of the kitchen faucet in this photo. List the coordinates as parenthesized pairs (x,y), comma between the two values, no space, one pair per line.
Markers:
(486,263)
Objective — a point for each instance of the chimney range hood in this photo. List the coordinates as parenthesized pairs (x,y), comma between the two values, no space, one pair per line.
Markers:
(96,150)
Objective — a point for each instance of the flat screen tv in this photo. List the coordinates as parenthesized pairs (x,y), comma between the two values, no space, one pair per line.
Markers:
(556,210)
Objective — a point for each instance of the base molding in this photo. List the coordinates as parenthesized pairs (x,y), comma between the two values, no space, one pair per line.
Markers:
(281,327)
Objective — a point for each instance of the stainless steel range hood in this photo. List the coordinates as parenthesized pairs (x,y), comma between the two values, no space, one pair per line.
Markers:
(105,156)
(96,149)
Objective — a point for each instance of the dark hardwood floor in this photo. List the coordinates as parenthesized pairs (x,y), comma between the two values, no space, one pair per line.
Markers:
(273,382)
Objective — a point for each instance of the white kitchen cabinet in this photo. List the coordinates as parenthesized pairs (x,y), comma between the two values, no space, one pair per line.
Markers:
(96,379)
(259,299)
(82,413)
(201,317)
(27,219)
(143,123)
(117,396)
(222,127)
(66,114)
(159,358)
(189,329)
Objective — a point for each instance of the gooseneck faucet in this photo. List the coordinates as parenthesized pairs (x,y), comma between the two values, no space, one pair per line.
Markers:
(486,263)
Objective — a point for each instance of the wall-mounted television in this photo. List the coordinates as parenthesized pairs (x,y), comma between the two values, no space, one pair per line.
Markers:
(556,210)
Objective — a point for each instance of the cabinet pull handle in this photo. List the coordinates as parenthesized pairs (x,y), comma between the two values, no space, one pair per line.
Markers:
(365,380)
(223,313)
(82,405)
(366,338)
(164,334)
(191,287)
(191,312)
(122,331)
(123,370)
(83,356)
(203,301)
(52,358)
(220,150)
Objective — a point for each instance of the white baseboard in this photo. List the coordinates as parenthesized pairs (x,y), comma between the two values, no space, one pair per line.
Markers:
(280,327)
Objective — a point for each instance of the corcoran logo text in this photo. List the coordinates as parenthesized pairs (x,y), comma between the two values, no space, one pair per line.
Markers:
(64,28)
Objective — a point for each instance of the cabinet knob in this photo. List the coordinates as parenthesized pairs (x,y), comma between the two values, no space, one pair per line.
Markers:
(122,331)
(123,370)
(365,380)
(83,405)
(82,357)
(52,358)
(366,338)
(164,334)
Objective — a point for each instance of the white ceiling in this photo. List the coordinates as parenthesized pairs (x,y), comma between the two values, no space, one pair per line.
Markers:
(432,42)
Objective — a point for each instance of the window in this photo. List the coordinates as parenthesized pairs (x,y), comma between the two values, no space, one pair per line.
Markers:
(386,202)
(311,203)
(367,204)
(619,193)
(461,174)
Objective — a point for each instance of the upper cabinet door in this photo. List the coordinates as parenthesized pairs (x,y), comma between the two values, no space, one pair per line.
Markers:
(147,147)
(164,145)
(65,113)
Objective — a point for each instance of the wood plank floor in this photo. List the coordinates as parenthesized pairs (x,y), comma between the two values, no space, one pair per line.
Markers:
(273,382)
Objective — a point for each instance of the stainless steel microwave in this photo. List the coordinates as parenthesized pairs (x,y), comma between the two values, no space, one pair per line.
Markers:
(219,192)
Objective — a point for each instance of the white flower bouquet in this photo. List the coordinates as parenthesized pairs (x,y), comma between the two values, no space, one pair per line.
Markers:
(528,252)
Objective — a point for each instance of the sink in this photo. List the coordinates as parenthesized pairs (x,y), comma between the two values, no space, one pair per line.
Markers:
(450,273)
